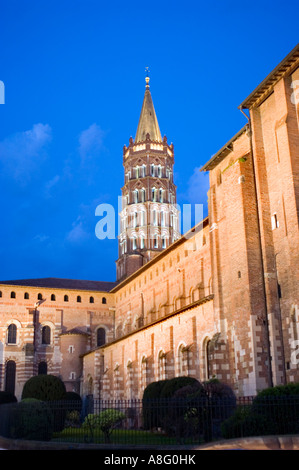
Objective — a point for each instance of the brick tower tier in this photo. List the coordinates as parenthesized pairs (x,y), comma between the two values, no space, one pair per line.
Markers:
(149,218)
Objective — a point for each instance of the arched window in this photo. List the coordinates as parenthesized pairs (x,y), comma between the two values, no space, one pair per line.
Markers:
(161,366)
(91,300)
(0,293)
(39,296)
(136,196)
(26,295)
(46,335)
(101,336)
(12,295)
(143,381)
(78,298)
(209,358)
(164,242)
(161,195)
(42,368)
(53,297)
(66,298)
(12,334)
(183,360)
(154,194)
(134,244)
(104,301)
(10,377)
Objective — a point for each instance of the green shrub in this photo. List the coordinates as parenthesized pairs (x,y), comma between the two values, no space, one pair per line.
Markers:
(222,400)
(44,387)
(73,401)
(280,407)
(51,389)
(245,422)
(183,411)
(172,385)
(31,419)
(151,406)
(106,421)
(7,397)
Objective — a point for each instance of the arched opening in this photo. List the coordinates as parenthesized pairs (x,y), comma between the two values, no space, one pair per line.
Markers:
(42,368)
(26,296)
(101,336)
(12,334)
(46,335)
(10,377)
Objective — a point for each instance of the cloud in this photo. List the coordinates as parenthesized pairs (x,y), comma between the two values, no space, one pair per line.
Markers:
(90,142)
(22,153)
(51,184)
(198,186)
(78,234)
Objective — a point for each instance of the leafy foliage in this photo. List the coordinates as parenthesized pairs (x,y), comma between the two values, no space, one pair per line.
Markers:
(106,421)
(44,387)
(31,419)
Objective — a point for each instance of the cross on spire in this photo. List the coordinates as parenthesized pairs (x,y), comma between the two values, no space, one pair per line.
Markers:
(147,79)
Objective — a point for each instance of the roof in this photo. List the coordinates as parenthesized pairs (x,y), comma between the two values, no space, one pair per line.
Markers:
(188,235)
(284,68)
(148,122)
(225,150)
(57,283)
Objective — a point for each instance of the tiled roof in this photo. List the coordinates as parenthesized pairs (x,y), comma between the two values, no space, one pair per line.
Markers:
(57,283)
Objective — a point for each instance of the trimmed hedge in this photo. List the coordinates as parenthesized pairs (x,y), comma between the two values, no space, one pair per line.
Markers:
(50,389)
(44,387)
(275,410)
(31,419)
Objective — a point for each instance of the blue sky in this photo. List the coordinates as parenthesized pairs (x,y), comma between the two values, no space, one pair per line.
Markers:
(74,83)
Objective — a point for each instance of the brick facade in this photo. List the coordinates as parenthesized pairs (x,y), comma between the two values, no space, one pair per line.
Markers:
(220,301)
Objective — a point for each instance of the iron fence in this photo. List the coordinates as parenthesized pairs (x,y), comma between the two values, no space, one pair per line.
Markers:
(149,422)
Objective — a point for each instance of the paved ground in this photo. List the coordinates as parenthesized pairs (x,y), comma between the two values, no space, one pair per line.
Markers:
(248,443)
(256,443)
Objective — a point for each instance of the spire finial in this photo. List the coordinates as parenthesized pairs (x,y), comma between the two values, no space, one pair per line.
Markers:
(147,79)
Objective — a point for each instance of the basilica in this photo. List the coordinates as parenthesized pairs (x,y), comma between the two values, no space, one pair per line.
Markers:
(218,301)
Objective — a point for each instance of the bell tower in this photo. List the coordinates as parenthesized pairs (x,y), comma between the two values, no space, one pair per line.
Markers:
(149,218)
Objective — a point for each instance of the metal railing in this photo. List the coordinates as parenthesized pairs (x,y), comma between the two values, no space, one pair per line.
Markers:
(149,422)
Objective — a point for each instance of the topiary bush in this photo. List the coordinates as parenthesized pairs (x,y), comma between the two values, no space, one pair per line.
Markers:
(151,406)
(183,412)
(172,385)
(7,397)
(243,423)
(279,405)
(31,419)
(222,404)
(44,387)
(51,389)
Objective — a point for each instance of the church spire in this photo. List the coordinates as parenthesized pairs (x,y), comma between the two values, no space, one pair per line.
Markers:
(148,123)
